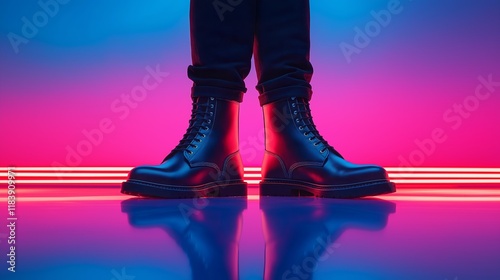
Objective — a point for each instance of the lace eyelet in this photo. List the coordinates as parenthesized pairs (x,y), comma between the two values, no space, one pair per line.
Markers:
(195,146)
(293,105)
(211,98)
(301,128)
(203,135)
(295,112)
(211,113)
(316,144)
(293,98)
(297,120)
(310,138)
(189,152)
(305,133)
(212,106)
(209,121)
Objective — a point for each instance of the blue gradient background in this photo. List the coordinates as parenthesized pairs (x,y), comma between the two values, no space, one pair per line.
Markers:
(373,109)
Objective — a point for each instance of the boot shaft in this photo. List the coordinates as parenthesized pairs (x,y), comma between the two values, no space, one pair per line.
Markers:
(213,129)
(290,133)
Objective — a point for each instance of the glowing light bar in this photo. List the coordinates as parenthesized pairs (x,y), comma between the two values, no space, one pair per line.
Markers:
(446,181)
(73,198)
(444,175)
(252,169)
(255,197)
(441,169)
(115,175)
(440,198)
(258,169)
(452,192)
(55,169)
(252,182)
(247,175)
(63,181)
(50,174)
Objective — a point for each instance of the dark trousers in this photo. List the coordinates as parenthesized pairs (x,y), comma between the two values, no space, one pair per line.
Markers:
(225,34)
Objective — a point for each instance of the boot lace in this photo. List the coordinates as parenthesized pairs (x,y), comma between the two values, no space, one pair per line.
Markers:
(201,118)
(301,113)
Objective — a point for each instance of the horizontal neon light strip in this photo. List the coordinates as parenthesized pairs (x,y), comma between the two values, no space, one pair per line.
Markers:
(254,169)
(115,175)
(446,181)
(55,169)
(452,192)
(258,169)
(441,169)
(73,198)
(252,175)
(41,168)
(76,175)
(254,197)
(247,175)
(440,198)
(64,181)
(252,182)
(445,175)
(255,182)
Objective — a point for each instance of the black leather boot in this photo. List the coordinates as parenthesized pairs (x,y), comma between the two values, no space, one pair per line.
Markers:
(298,161)
(205,163)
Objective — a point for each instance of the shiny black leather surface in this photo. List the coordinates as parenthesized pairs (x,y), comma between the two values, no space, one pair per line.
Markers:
(292,154)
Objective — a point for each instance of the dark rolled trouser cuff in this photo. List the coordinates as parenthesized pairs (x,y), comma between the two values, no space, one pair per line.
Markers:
(282,93)
(221,93)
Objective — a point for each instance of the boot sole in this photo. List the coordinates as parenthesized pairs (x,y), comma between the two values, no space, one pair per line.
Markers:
(285,187)
(213,189)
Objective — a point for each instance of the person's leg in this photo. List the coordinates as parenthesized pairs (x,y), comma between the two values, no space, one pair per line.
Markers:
(222,36)
(297,159)
(282,50)
(207,161)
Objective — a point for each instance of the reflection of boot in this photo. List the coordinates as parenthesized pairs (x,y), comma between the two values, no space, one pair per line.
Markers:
(205,163)
(209,236)
(299,233)
(299,161)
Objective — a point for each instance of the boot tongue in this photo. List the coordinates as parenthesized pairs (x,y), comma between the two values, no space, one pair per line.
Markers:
(306,116)
(198,114)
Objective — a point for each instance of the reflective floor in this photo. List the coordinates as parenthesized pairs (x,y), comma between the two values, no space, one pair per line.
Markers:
(97,233)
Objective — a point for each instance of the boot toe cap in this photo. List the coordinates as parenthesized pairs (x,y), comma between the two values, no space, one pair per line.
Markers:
(147,173)
(371,173)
